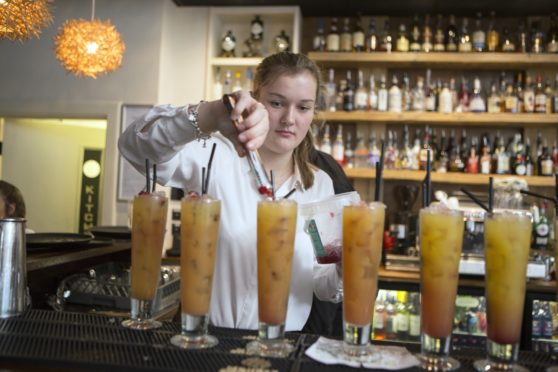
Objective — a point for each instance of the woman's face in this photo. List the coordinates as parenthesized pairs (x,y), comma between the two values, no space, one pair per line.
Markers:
(290,102)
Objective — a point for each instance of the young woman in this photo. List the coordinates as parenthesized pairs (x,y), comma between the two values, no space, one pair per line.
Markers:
(277,122)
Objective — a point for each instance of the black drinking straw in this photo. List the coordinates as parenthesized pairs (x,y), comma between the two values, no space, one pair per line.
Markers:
(490,194)
(428,178)
(272,184)
(154,177)
(147,183)
(203,181)
(206,183)
(476,200)
(424,198)
(540,196)
(289,193)
(556,193)
(379,174)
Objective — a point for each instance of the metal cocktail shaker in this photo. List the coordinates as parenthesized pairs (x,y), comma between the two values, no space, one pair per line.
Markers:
(14,295)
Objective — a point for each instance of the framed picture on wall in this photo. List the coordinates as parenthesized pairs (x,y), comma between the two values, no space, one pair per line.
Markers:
(130,181)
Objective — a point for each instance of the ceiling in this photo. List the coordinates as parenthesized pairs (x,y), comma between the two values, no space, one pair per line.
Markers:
(321,8)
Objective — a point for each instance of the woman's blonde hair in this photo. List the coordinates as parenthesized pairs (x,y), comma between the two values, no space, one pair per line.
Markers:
(287,63)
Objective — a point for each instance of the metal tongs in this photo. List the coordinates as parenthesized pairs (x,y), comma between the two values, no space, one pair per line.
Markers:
(254,160)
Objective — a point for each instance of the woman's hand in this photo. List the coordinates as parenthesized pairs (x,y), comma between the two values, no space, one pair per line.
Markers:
(251,116)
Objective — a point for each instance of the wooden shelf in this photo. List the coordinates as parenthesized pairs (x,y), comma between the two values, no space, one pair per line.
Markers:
(441,119)
(437,60)
(451,178)
(234,62)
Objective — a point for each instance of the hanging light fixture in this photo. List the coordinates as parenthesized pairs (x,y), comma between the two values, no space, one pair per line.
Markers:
(23,19)
(89,48)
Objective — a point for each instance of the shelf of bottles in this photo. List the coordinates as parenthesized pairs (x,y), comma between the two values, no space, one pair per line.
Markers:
(450,178)
(544,318)
(455,118)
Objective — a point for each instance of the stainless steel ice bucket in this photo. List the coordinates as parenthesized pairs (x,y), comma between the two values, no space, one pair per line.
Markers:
(14,295)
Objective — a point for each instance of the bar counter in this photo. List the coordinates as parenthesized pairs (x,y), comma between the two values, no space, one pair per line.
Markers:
(48,340)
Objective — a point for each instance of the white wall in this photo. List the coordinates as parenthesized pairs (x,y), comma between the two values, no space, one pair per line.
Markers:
(164,62)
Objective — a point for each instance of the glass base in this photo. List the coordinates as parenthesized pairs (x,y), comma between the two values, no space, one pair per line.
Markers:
(430,363)
(487,365)
(141,324)
(356,339)
(270,348)
(186,342)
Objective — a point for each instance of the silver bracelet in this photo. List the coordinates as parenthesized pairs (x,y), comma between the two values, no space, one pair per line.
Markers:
(193,119)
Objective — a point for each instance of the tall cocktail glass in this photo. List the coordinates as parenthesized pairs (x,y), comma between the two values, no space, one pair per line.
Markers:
(148,232)
(441,239)
(507,238)
(199,233)
(276,235)
(363,227)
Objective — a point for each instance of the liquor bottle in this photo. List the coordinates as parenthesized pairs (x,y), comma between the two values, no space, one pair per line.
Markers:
(549,95)
(349,152)
(537,36)
(445,104)
(519,92)
(414,45)
(503,161)
(406,94)
(429,94)
(217,84)
(338,148)
(349,94)
(552,35)
(528,95)
(379,316)
(522,39)
(418,96)
(361,154)
(402,311)
(442,157)
(391,321)
(237,84)
(555,96)
(463,96)
(319,41)
(477,103)
(486,158)
(455,162)
(493,38)
(325,145)
(539,144)
(227,82)
(358,37)
(464,149)
(373,94)
(508,44)
(439,38)
(340,95)
(330,91)
(372,37)
(414,317)
(545,163)
(386,44)
(541,228)
(394,97)
(373,150)
(383,95)
(391,151)
(453,92)
(529,166)
(555,160)
(405,154)
(402,43)
(493,102)
(473,158)
(248,80)
(427,35)
(519,163)
(452,40)
(416,151)
(425,148)
(465,44)
(361,95)
(479,36)
(540,97)
(510,101)
(332,40)
(346,37)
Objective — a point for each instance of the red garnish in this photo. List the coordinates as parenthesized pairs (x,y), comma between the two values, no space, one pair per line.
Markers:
(333,254)
(265,191)
(143,192)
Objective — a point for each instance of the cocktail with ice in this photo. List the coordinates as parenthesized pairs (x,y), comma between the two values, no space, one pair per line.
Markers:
(441,239)
(363,227)
(275,240)
(149,219)
(507,239)
(199,233)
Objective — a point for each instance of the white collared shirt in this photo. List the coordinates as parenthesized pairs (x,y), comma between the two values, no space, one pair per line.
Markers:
(170,143)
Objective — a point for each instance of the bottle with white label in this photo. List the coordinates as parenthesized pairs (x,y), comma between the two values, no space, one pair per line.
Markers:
(373,94)
(330,91)
(477,103)
(383,95)
(332,39)
(361,95)
(394,97)
(446,100)
(338,148)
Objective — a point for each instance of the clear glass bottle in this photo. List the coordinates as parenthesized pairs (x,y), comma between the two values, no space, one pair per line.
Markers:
(477,100)
(373,94)
(346,37)
(494,100)
(394,96)
(361,95)
(325,145)
(338,148)
(493,37)
(463,97)
(383,95)
(452,39)
(540,97)
(349,152)
(332,39)
(417,95)
(465,45)
(361,154)
(445,104)
(330,91)
(511,101)
(373,150)
(528,95)
(406,93)
(429,93)
(479,36)
(319,41)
